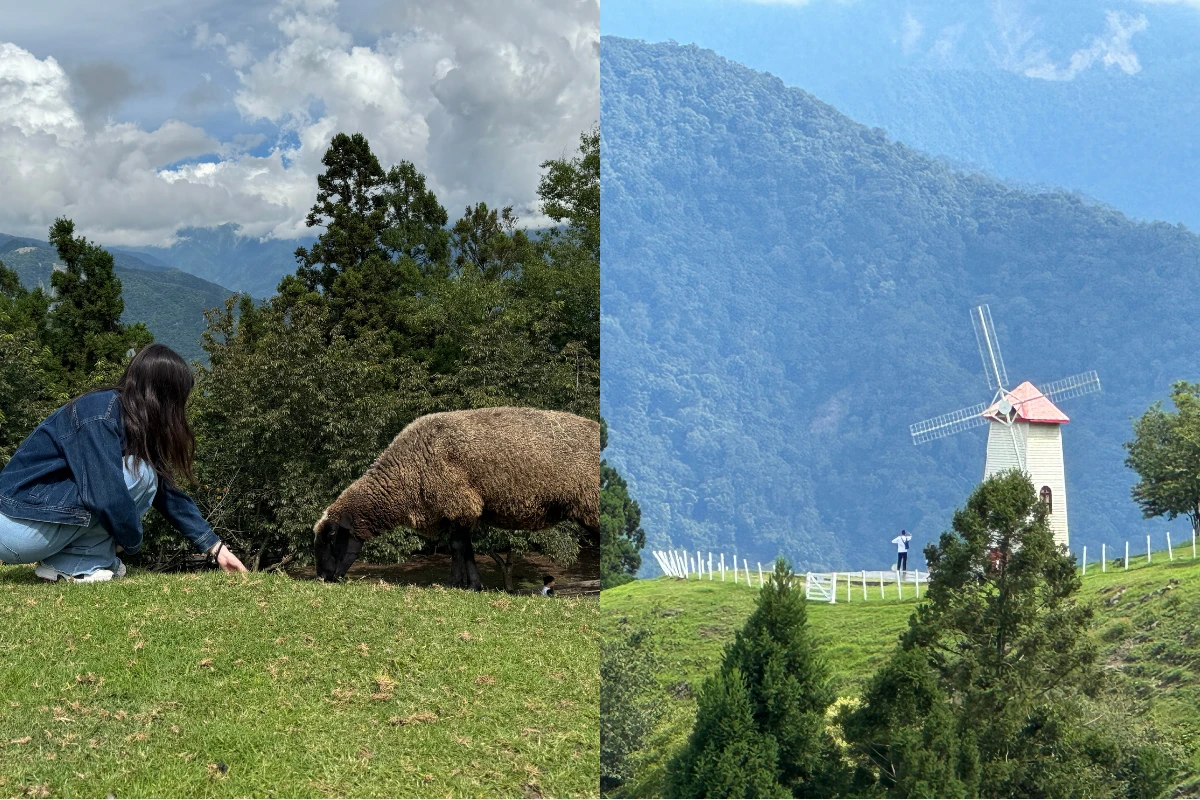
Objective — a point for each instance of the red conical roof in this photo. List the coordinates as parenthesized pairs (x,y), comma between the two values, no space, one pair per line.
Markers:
(1031,406)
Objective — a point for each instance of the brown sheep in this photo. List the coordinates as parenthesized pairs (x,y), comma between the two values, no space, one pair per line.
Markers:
(516,468)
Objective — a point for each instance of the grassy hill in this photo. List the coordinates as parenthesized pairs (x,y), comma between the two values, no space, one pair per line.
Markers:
(1147,621)
(171,302)
(212,685)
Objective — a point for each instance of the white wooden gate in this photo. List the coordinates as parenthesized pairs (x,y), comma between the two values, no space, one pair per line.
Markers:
(821,586)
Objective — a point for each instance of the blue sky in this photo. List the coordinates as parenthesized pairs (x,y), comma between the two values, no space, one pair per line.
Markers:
(139,117)
(1050,39)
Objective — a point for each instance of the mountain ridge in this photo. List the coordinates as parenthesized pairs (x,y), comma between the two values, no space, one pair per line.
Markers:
(785,290)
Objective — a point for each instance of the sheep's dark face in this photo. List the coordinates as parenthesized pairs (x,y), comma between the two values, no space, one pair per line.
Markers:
(335,549)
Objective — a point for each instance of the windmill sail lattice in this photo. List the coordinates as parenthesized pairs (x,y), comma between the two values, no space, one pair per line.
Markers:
(989,347)
(946,424)
(1083,383)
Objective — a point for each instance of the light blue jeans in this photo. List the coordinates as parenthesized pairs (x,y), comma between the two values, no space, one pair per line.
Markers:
(74,549)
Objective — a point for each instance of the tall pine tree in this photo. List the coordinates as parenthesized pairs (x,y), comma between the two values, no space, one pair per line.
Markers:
(85,330)
(621,534)
(773,664)
(994,689)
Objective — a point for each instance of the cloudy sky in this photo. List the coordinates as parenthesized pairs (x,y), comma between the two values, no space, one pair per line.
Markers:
(137,118)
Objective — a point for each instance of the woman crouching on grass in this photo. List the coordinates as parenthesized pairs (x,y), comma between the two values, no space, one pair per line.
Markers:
(75,492)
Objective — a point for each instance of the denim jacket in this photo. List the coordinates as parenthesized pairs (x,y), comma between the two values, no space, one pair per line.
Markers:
(70,471)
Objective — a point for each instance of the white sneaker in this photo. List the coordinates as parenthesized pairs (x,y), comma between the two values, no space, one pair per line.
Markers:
(49,573)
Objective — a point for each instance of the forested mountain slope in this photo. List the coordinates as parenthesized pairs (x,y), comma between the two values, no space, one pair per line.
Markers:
(785,290)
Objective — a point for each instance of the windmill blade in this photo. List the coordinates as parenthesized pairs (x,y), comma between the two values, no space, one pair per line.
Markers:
(946,424)
(989,347)
(1083,383)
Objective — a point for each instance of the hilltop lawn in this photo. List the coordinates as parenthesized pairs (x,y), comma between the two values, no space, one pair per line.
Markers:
(202,685)
(1147,621)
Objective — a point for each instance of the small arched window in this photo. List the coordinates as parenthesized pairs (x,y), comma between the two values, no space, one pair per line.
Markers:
(1047,499)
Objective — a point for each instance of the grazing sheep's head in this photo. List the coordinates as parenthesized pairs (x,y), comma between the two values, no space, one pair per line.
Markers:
(335,546)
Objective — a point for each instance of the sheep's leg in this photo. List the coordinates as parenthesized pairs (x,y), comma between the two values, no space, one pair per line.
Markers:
(464,572)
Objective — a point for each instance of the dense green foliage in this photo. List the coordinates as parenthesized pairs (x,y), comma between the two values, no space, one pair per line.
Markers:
(760,721)
(629,707)
(1001,698)
(621,534)
(29,383)
(211,685)
(785,291)
(1165,453)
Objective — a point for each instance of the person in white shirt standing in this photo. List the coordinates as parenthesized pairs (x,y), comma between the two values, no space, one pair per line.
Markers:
(901,543)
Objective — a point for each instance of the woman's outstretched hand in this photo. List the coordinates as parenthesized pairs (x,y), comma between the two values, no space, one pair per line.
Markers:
(227,560)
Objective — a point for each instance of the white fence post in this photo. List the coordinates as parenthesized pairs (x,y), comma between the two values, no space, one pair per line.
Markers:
(917,582)
(899,585)
(1170,555)
(722,567)
(1147,548)
(746,562)
(864,579)
(1193,544)
(1127,555)
(848,587)
(1103,557)
(735,569)
(882,596)
(760,580)
(710,565)
(1085,559)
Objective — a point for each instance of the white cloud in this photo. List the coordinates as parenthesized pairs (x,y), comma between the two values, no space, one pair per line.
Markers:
(1112,49)
(237,54)
(947,42)
(910,32)
(476,96)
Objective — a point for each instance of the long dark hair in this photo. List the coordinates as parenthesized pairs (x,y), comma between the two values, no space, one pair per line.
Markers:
(154,391)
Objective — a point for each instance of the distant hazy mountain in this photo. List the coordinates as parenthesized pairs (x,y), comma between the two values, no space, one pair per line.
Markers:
(1093,97)
(224,256)
(171,302)
(785,290)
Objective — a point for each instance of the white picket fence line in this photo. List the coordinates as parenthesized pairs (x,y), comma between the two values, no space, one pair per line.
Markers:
(823,586)
(1149,553)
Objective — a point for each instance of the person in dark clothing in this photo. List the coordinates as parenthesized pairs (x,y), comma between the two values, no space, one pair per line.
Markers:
(74,493)
(901,543)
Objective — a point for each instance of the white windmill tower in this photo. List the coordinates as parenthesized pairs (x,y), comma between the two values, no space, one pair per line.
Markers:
(1025,424)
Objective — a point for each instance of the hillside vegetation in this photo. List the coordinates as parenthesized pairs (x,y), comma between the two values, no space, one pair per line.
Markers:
(1147,620)
(169,301)
(212,685)
(785,291)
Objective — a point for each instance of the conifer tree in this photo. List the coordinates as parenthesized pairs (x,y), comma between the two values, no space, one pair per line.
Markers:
(85,320)
(726,754)
(993,689)
(621,534)
(786,687)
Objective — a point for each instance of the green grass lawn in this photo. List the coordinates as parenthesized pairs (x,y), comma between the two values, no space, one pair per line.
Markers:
(1147,621)
(213,685)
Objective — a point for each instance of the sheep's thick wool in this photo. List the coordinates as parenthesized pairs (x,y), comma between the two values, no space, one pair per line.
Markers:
(516,468)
